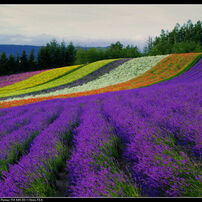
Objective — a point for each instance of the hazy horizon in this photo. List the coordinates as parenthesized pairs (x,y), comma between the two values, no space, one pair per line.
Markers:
(91,24)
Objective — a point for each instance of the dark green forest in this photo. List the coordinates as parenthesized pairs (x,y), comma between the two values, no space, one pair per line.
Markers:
(182,39)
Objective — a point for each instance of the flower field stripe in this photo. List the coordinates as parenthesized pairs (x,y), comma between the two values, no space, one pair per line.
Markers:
(12,124)
(12,113)
(188,61)
(32,176)
(14,144)
(193,67)
(185,61)
(159,159)
(14,78)
(106,69)
(70,77)
(39,79)
(177,63)
(122,73)
(93,167)
(170,64)
(155,132)
(173,73)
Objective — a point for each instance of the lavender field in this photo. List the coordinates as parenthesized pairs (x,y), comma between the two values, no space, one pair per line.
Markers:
(132,143)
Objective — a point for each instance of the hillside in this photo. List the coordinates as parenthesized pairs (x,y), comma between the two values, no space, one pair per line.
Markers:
(134,138)
(134,73)
(17,49)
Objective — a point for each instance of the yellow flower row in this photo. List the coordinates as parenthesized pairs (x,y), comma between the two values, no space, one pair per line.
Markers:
(38,79)
(61,79)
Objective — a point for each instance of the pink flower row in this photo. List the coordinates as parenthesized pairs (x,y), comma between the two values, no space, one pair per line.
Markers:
(8,80)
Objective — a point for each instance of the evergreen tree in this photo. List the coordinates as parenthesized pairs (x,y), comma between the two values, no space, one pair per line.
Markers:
(31,61)
(3,64)
(43,58)
(24,65)
(62,53)
(12,65)
(115,50)
(70,54)
(131,52)
(81,56)
(17,61)
(92,55)
(149,45)
(182,39)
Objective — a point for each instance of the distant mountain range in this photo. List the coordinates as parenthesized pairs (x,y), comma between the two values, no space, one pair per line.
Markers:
(17,49)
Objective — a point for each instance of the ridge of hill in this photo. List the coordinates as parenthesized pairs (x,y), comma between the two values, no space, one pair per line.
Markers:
(17,49)
(140,142)
(14,49)
(166,68)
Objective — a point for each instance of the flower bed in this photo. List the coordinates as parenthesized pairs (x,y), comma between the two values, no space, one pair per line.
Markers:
(170,65)
(14,78)
(123,72)
(137,142)
(37,80)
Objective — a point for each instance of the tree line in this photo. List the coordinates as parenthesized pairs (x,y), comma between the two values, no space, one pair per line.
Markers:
(56,54)
(182,39)
(50,56)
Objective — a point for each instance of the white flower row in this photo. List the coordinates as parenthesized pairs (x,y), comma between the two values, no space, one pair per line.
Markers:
(122,73)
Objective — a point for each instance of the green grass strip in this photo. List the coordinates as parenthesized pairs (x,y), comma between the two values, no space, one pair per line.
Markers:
(39,79)
(108,158)
(70,77)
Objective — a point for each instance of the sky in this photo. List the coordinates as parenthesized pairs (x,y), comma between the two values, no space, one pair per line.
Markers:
(91,24)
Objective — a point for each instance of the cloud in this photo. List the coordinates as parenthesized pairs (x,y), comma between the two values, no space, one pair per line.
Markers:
(35,23)
(20,39)
(42,39)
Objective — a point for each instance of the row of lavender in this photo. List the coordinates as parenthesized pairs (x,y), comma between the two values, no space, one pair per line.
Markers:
(94,168)
(159,128)
(140,142)
(42,151)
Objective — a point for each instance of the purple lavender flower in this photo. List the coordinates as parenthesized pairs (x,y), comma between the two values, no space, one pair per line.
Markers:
(157,128)
(34,169)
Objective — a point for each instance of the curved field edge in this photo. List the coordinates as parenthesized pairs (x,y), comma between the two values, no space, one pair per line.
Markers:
(158,148)
(14,78)
(38,179)
(158,134)
(124,72)
(143,81)
(5,104)
(53,73)
(72,76)
(39,79)
(184,70)
(106,69)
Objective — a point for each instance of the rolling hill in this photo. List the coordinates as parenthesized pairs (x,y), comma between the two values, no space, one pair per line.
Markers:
(17,49)
(112,128)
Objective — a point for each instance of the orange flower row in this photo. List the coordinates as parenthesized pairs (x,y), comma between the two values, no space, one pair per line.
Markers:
(167,68)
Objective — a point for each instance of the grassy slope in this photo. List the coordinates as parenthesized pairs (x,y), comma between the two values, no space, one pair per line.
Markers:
(66,78)
(14,78)
(123,72)
(168,68)
(38,79)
